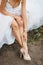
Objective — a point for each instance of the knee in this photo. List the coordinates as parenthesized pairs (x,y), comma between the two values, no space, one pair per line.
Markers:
(14,25)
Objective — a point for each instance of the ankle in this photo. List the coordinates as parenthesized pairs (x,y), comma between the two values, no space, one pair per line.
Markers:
(25,47)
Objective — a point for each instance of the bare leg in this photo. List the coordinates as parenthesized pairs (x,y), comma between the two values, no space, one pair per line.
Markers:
(22,33)
(16,32)
(18,36)
(24,48)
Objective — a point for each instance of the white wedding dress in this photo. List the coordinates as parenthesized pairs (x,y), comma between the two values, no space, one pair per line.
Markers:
(35,13)
(34,10)
(6,35)
(34,19)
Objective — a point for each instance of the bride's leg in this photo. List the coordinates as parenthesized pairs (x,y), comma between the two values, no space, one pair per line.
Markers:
(20,24)
(22,33)
(16,32)
(24,48)
(23,45)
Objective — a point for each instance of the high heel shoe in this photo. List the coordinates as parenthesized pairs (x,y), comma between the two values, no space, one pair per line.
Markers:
(24,55)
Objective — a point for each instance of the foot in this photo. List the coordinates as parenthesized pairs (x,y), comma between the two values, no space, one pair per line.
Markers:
(26,56)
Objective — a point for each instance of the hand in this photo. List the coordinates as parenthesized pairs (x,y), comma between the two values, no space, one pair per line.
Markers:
(19,20)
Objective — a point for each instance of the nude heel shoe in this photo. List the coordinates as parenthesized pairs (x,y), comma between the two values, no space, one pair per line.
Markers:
(24,55)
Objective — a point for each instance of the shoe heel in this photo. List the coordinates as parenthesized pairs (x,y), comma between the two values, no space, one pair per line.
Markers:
(21,55)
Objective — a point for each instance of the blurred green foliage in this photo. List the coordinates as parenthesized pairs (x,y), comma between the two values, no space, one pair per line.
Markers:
(35,34)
